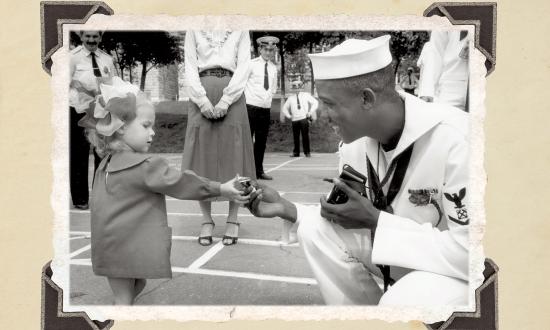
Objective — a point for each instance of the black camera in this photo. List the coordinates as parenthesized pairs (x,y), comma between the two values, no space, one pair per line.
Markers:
(353,179)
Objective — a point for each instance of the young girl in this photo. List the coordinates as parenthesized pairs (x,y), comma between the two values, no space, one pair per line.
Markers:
(131,239)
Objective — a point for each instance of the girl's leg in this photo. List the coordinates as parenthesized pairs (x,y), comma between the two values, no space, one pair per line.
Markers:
(205,237)
(139,286)
(232,225)
(123,289)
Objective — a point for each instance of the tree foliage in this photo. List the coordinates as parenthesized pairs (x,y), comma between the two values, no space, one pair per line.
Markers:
(295,45)
(150,49)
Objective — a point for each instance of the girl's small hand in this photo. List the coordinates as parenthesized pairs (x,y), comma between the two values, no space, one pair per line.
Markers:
(229,190)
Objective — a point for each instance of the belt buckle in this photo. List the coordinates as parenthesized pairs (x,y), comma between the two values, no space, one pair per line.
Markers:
(219,73)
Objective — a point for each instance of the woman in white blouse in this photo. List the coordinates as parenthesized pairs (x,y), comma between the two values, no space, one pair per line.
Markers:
(218,144)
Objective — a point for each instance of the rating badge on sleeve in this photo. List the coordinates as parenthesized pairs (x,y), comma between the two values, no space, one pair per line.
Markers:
(460,208)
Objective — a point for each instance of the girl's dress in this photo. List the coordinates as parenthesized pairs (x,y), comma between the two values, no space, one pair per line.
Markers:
(130,233)
(218,149)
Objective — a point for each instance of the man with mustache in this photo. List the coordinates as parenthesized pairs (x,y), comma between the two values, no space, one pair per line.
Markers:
(411,229)
(89,66)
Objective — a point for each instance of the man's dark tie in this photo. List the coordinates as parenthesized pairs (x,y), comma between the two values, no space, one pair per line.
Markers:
(298,100)
(266,77)
(97,72)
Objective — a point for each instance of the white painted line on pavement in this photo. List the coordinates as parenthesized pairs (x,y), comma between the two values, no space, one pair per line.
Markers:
(85,233)
(77,237)
(248,241)
(280,192)
(283,164)
(250,276)
(305,192)
(79,251)
(308,169)
(81,262)
(225,273)
(207,256)
(252,241)
(175,213)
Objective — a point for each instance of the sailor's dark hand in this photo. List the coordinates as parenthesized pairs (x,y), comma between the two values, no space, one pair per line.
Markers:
(357,212)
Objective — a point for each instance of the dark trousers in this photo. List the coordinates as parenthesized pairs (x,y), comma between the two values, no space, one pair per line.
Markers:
(300,126)
(259,119)
(79,152)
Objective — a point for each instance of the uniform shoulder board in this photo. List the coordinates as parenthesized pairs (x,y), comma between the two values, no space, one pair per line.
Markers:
(101,51)
(76,49)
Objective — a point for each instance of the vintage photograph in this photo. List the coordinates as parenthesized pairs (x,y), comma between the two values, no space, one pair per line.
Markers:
(269,167)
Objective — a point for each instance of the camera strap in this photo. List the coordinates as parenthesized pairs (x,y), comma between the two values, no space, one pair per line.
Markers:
(383,202)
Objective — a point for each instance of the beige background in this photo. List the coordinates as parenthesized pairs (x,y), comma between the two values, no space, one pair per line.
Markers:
(517,156)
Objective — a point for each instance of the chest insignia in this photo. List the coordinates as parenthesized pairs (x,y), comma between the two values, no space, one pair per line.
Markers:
(421,197)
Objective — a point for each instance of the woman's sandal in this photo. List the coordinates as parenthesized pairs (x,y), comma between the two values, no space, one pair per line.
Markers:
(206,240)
(233,239)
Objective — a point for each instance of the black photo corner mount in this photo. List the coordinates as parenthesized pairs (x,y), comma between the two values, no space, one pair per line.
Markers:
(481,14)
(54,14)
(54,318)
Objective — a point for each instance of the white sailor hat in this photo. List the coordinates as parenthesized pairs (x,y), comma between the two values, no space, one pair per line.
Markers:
(268,41)
(352,57)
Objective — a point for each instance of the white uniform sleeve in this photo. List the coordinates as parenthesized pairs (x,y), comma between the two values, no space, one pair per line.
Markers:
(303,212)
(286,107)
(400,241)
(432,62)
(313,105)
(195,90)
(238,81)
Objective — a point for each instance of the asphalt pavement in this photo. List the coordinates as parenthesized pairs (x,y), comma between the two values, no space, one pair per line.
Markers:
(259,270)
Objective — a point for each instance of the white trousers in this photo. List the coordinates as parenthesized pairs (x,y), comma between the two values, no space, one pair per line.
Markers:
(341,262)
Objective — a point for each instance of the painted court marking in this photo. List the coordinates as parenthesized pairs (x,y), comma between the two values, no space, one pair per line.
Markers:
(213,272)
(283,164)
(248,241)
(203,259)
(176,214)
(195,266)
(79,251)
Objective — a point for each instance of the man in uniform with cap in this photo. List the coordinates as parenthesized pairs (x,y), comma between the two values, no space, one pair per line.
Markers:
(259,91)
(411,229)
(89,66)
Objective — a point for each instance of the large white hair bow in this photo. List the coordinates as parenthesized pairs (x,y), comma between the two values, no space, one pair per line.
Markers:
(111,107)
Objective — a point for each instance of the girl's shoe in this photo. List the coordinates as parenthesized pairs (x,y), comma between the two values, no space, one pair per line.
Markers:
(230,240)
(206,240)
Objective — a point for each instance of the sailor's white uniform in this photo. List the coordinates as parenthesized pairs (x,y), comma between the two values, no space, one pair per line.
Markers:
(425,240)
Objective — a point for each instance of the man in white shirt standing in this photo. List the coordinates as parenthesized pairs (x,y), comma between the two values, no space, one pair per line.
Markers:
(409,225)
(259,91)
(300,108)
(89,66)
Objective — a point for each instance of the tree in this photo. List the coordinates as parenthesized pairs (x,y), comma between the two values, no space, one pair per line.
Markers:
(150,49)
(293,46)
(406,45)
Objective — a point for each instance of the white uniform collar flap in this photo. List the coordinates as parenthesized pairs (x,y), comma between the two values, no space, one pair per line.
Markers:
(420,117)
